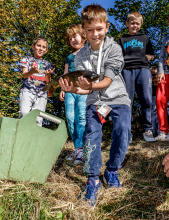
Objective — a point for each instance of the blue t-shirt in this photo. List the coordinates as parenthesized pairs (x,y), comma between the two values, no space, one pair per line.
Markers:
(70,60)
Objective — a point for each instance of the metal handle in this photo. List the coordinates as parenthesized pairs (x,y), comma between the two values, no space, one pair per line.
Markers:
(50,118)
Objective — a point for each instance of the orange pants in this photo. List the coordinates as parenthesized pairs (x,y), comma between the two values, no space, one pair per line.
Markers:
(162,98)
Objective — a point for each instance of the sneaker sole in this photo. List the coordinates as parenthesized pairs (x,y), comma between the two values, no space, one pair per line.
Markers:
(77,162)
(150,140)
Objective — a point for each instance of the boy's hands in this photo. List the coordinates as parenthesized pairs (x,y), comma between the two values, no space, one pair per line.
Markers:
(84,84)
(62,95)
(160,77)
(34,68)
(66,87)
(166,165)
(49,72)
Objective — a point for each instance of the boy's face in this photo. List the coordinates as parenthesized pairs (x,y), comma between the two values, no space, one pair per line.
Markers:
(95,33)
(134,25)
(75,41)
(40,48)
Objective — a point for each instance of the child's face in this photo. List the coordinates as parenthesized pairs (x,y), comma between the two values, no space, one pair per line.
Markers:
(40,48)
(95,33)
(75,41)
(134,25)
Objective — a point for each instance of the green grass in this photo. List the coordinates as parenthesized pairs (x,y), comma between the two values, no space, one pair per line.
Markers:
(145,192)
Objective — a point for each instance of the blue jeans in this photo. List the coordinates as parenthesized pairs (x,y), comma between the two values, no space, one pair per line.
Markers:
(121,134)
(154,116)
(75,106)
(140,80)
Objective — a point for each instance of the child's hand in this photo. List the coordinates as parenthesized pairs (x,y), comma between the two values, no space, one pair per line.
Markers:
(150,57)
(160,77)
(84,84)
(166,165)
(62,95)
(66,87)
(34,68)
(49,72)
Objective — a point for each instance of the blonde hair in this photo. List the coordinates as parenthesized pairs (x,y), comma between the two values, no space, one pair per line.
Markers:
(75,29)
(134,15)
(93,12)
(40,38)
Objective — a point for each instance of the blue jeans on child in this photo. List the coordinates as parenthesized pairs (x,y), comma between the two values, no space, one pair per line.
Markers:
(121,117)
(154,116)
(140,80)
(75,106)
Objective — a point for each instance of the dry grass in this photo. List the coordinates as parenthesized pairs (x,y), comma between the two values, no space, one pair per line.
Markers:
(145,192)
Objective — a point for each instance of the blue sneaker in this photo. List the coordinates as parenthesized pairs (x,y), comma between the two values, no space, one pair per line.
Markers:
(111,179)
(91,190)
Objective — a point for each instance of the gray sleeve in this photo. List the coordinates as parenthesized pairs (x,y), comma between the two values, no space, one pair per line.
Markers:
(114,62)
(161,59)
(78,62)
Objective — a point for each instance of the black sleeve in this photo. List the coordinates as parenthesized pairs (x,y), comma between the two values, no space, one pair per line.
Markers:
(149,47)
(119,42)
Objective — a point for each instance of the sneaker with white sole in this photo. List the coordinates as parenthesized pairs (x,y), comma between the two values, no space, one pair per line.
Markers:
(148,136)
(162,136)
(79,156)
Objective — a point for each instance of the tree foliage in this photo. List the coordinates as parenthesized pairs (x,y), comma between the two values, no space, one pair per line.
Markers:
(155,15)
(20,22)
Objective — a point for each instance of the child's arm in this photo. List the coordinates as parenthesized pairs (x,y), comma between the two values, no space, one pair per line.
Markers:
(161,61)
(62,93)
(85,87)
(160,77)
(166,165)
(70,88)
(48,74)
(26,73)
(149,50)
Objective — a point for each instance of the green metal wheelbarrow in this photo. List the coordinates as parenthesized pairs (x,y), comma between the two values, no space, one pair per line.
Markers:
(28,151)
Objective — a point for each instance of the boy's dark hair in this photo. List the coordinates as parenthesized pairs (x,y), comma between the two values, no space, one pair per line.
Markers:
(134,15)
(153,68)
(93,12)
(39,38)
(76,29)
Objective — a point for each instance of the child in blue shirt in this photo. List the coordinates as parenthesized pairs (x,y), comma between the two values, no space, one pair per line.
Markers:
(75,104)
